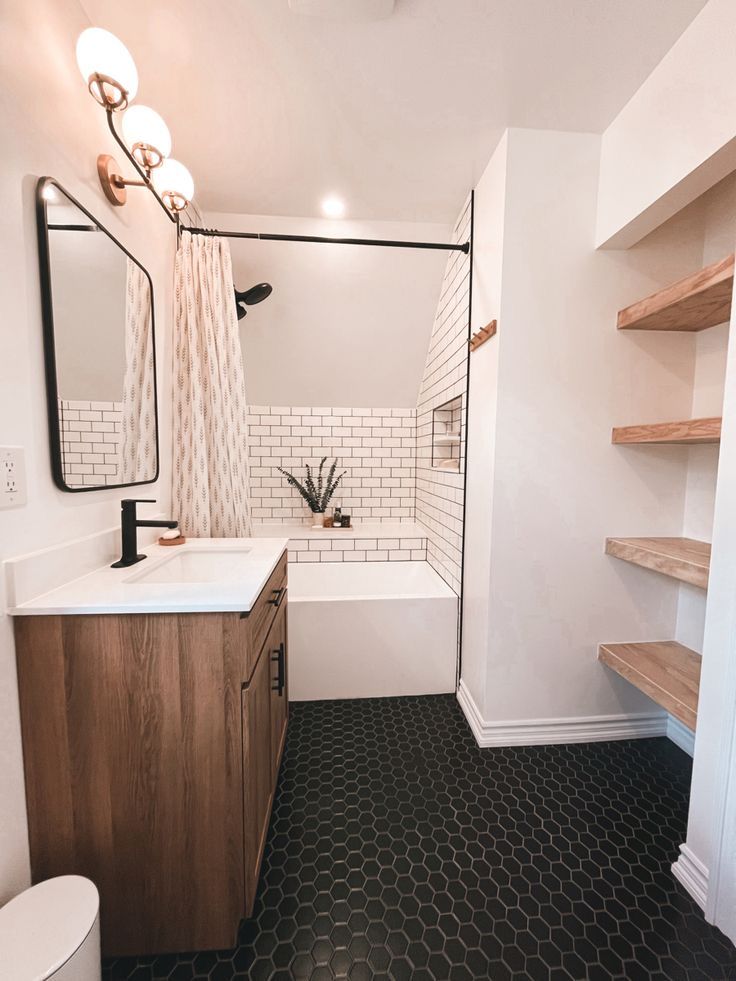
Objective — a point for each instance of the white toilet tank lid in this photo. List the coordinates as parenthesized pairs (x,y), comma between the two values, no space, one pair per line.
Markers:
(42,927)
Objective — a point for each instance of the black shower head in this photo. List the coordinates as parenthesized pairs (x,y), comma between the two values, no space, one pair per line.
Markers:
(255,294)
(249,298)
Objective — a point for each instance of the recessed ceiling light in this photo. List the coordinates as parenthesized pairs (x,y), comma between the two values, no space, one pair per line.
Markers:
(347,10)
(333,207)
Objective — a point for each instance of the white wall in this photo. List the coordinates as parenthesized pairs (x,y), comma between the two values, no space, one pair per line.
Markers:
(708,855)
(490,205)
(716,211)
(565,377)
(51,126)
(676,137)
(707,623)
(345,325)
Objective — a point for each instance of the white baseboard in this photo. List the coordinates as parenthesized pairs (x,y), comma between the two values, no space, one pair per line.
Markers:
(535,732)
(680,735)
(692,874)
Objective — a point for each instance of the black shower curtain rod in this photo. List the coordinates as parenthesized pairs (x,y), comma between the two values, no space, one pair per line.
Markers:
(388,243)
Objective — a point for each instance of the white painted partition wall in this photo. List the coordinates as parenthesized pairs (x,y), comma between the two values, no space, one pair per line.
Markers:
(707,863)
(545,486)
(489,206)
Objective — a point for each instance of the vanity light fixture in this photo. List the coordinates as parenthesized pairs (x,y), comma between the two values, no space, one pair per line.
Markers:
(147,136)
(173,184)
(107,67)
(109,70)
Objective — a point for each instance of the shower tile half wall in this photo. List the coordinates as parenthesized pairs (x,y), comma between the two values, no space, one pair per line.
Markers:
(377,448)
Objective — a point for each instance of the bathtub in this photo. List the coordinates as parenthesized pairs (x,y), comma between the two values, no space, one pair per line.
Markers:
(370,629)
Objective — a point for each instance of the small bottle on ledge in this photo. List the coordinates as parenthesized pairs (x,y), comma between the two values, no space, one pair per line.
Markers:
(337,517)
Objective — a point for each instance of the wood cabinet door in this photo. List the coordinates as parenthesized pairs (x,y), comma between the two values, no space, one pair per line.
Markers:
(257,771)
(276,648)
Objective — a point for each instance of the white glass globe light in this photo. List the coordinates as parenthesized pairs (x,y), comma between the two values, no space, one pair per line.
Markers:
(107,67)
(173,184)
(147,136)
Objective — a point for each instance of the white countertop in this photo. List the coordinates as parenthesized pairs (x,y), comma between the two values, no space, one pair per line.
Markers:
(108,590)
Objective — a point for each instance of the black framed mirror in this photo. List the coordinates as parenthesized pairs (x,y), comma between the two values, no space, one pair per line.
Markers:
(100,350)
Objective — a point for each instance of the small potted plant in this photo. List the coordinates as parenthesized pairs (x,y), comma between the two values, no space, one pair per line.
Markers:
(317,495)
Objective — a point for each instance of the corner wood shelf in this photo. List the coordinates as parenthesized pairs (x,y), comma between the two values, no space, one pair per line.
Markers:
(664,670)
(689,431)
(694,303)
(680,558)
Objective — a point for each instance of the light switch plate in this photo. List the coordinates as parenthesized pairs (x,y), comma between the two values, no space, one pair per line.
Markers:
(13,491)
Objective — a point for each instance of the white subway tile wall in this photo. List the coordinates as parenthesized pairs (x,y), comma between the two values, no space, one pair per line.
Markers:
(439,494)
(90,434)
(376,448)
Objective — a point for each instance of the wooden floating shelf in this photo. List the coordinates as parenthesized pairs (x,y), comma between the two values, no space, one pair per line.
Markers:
(483,335)
(664,670)
(680,558)
(694,303)
(688,431)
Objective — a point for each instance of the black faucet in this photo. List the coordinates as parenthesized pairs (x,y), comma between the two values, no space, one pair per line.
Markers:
(129,525)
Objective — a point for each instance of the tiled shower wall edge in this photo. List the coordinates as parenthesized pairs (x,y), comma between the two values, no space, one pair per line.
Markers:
(439,494)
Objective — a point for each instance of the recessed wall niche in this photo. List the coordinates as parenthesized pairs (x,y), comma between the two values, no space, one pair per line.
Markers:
(446,435)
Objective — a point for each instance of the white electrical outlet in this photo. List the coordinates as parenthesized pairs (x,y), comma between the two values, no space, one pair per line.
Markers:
(13,493)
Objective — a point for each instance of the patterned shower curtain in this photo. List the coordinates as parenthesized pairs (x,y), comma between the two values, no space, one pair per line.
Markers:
(137,446)
(210,467)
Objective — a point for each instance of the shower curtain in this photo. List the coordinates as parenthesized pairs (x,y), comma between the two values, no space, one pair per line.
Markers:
(210,467)
(137,446)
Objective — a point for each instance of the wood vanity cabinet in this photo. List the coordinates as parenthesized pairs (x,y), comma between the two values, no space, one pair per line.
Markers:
(151,746)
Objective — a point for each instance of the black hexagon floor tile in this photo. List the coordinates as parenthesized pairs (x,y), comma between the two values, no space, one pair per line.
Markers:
(400,850)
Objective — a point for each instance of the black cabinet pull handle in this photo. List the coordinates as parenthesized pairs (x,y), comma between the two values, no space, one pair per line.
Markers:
(279,656)
(278,595)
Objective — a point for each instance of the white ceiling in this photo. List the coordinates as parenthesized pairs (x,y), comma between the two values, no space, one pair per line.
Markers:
(271,109)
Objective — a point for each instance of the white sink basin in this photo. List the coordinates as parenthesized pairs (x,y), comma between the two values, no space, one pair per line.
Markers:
(196,565)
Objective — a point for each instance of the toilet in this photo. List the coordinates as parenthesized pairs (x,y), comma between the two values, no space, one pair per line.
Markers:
(52,931)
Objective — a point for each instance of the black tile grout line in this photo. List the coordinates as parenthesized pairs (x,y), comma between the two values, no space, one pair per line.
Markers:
(400,850)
